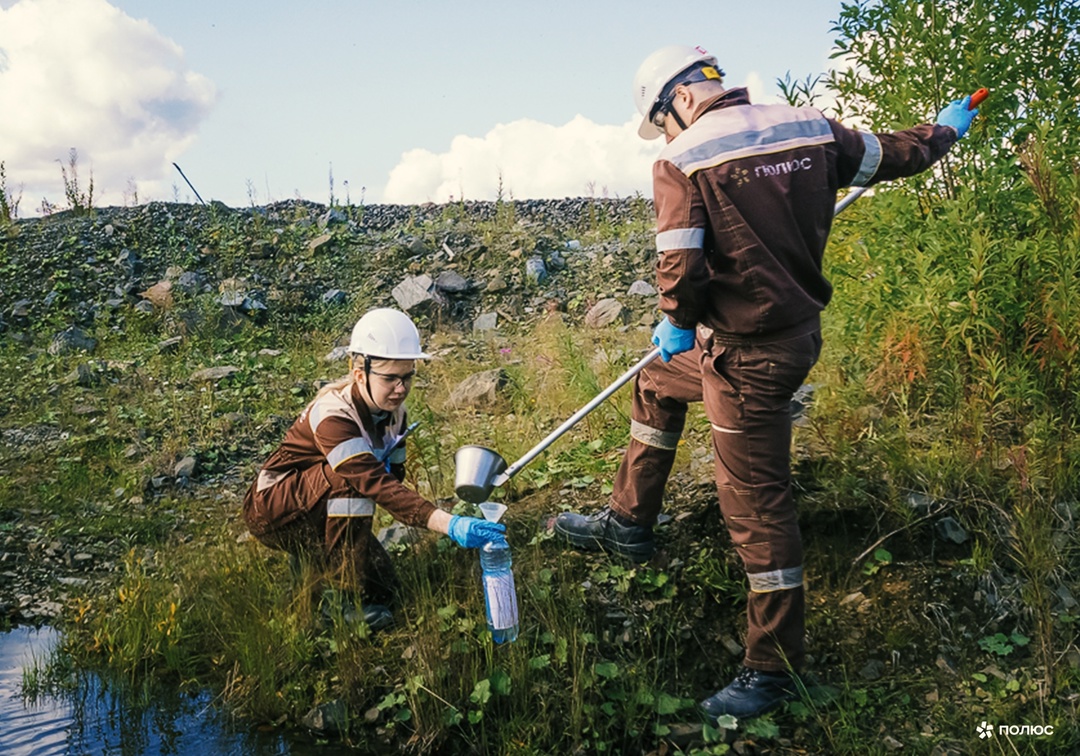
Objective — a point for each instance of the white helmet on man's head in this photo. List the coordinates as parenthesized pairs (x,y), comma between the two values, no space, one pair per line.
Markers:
(387,333)
(653,76)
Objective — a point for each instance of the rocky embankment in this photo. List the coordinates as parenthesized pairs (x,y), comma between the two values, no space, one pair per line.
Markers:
(173,272)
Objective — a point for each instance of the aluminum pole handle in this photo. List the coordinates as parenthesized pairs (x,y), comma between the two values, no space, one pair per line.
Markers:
(576,417)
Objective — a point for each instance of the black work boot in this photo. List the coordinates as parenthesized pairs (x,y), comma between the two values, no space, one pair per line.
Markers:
(608,531)
(341,606)
(752,693)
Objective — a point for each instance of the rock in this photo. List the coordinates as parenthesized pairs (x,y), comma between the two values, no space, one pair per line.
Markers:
(397,533)
(21,309)
(214,373)
(891,743)
(556,261)
(334,297)
(171,345)
(641,288)
(801,401)
(330,717)
(160,294)
(337,354)
(320,243)
(452,282)
(73,339)
(496,283)
(535,270)
(479,388)
(604,313)
(732,646)
(233,298)
(948,529)
(857,598)
(185,468)
(919,503)
(330,217)
(128,262)
(144,306)
(190,282)
(872,670)
(414,294)
(487,321)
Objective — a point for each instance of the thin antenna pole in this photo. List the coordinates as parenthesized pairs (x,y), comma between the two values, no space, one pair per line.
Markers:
(188,182)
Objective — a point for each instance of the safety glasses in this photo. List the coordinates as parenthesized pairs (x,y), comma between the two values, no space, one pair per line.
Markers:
(393,381)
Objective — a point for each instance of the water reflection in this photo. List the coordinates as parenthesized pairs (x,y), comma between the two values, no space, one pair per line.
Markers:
(93,718)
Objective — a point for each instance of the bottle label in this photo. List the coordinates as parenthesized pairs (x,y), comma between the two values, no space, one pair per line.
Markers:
(502,600)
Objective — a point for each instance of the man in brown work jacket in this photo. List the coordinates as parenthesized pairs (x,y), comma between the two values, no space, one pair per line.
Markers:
(744,198)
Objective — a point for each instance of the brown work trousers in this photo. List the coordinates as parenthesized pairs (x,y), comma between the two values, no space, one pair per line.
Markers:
(292,516)
(746,385)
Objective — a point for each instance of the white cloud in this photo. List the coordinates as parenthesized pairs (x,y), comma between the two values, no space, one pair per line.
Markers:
(535,161)
(82,74)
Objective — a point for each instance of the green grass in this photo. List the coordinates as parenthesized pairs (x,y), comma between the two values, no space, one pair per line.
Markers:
(611,657)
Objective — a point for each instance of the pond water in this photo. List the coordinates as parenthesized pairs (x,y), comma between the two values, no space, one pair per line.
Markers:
(94,719)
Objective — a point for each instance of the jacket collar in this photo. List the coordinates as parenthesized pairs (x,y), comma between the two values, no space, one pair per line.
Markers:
(726,99)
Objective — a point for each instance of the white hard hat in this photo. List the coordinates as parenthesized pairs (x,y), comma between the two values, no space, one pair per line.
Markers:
(655,73)
(387,333)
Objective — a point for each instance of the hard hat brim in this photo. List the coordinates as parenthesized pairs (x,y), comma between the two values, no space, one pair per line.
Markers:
(648,129)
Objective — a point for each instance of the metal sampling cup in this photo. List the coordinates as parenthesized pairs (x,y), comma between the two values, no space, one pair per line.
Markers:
(476,468)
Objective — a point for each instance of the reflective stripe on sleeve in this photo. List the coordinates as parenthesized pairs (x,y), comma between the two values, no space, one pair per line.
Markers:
(776,580)
(680,238)
(653,437)
(870,162)
(354,447)
(350,508)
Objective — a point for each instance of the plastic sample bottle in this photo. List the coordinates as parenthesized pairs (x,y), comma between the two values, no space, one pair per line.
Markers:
(500,595)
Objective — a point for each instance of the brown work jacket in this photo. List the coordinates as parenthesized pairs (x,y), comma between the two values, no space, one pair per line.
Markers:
(744,204)
(338,430)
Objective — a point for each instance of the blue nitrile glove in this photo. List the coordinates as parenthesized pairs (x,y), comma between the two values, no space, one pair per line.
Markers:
(957,115)
(472,532)
(672,340)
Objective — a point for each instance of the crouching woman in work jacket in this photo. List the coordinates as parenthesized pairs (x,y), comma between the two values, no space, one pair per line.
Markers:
(315,496)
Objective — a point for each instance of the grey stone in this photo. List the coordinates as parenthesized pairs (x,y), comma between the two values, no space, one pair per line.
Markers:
(604,313)
(190,282)
(330,717)
(641,288)
(334,297)
(185,468)
(496,283)
(337,354)
(487,321)
(479,388)
(232,298)
(872,670)
(948,529)
(556,261)
(168,346)
(415,293)
(535,270)
(214,373)
(70,340)
(330,217)
(144,306)
(397,533)
(452,282)
(21,309)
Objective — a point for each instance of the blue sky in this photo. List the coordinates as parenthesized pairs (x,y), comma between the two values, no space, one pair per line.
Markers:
(404,101)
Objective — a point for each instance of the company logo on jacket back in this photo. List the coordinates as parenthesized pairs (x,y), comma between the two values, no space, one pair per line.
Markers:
(784,167)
